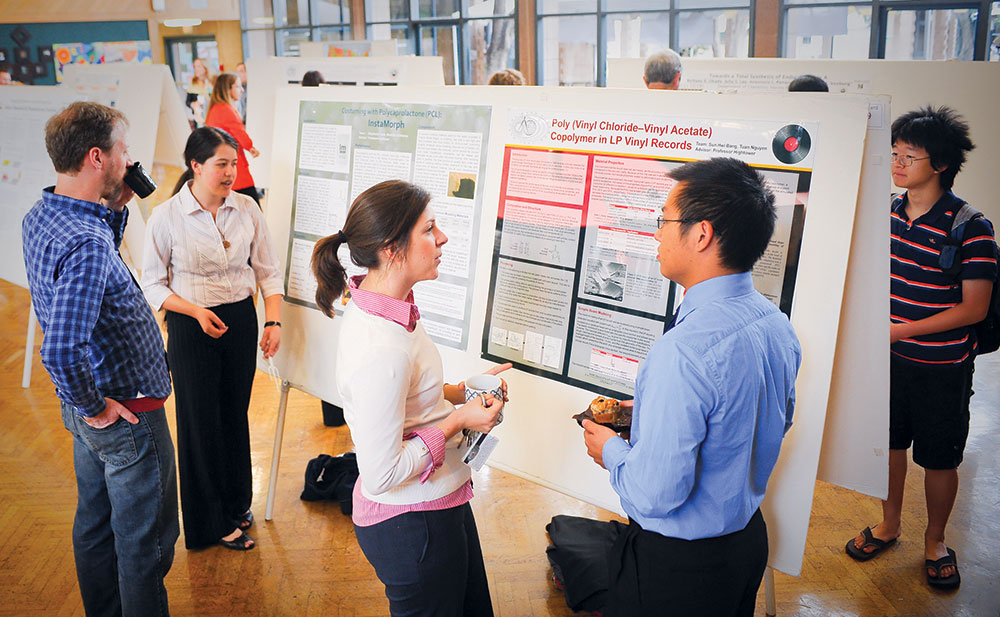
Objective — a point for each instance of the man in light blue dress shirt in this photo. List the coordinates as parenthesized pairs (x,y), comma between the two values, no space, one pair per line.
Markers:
(713,400)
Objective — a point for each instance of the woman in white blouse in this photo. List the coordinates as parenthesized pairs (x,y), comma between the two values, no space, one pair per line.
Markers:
(207,250)
(411,508)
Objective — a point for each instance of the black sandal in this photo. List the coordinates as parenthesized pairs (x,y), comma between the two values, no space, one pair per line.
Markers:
(860,554)
(247,521)
(947,582)
(239,543)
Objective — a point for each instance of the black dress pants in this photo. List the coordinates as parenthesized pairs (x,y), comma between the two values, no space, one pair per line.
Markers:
(212,382)
(653,575)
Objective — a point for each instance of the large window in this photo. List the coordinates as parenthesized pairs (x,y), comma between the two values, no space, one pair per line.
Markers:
(576,37)
(475,38)
(892,29)
(279,27)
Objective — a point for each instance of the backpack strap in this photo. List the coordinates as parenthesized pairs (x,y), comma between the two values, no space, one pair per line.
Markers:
(965,214)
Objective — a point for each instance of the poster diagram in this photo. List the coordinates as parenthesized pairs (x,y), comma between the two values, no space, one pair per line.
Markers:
(345,148)
(576,293)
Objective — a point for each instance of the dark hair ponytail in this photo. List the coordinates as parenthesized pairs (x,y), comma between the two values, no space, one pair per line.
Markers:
(201,146)
(380,217)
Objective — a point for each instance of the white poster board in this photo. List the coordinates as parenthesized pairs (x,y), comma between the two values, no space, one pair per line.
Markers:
(265,76)
(539,441)
(971,88)
(25,167)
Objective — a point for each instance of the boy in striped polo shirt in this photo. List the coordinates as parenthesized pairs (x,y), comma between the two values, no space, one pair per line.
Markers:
(933,342)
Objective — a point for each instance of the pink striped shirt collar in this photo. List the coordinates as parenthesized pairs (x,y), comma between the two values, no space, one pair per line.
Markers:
(403,312)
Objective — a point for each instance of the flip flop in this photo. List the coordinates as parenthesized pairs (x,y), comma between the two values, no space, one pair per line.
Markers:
(948,582)
(860,554)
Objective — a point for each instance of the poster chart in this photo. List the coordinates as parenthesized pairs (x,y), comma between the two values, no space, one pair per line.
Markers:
(576,293)
(345,148)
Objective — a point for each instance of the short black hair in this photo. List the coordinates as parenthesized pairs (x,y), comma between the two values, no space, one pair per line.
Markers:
(808,83)
(733,197)
(942,132)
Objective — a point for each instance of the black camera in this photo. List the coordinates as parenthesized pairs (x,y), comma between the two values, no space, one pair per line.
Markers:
(139,181)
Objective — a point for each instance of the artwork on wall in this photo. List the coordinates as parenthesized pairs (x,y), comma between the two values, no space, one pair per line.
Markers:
(4,58)
(100,53)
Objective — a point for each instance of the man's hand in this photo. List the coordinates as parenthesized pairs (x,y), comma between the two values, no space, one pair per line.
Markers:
(124,197)
(112,411)
(210,323)
(595,436)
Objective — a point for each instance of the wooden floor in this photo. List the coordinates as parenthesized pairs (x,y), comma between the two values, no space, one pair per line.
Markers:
(308,563)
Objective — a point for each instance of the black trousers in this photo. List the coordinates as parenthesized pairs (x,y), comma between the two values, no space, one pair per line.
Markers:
(653,575)
(251,192)
(212,383)
(430,562)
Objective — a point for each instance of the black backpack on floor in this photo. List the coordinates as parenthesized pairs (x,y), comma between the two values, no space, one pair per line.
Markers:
(332,478)
(578,554)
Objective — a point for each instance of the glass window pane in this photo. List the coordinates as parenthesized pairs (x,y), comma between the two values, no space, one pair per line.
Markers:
(331,12)
(288,41)
(567,51)
(438,8)
(636,35)
(292,13)
(441,41)
(487,8)
(258,44)
(707,4)
(385,10)
(342,33)
(565,6)
(400,34)
(490,45)
(840,32)
(994,37)
(714,34)
(257,14)
(942,34)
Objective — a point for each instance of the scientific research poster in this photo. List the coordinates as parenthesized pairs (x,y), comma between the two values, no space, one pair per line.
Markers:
(345,148)
(576,293)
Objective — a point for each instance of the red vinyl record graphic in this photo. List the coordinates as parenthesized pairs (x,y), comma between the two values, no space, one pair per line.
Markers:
(791,144)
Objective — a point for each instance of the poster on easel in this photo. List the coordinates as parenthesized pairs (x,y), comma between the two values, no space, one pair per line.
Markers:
(576,293)
(345,148)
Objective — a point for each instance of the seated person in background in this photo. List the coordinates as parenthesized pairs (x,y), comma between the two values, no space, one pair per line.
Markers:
(6,77)
(808,83)
(312,78)
(713,400)
(933,347)
(663,71)
(507,77)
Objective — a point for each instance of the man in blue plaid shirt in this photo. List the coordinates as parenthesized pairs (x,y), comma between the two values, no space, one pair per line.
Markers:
(104,353)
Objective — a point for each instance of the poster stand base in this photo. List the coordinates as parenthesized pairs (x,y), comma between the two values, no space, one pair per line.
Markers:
(279,433)
(29,346)
(770,609)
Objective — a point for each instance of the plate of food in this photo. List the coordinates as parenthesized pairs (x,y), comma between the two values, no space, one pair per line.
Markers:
(608,412)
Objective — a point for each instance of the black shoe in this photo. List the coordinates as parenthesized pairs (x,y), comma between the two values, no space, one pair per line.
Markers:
(240,543)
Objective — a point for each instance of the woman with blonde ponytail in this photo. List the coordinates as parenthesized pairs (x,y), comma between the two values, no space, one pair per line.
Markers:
(207,251)
(411,511)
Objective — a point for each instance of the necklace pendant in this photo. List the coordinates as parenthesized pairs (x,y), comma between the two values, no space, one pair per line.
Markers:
(225,243)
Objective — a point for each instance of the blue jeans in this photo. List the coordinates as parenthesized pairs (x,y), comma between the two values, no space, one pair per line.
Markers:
(126,514)
(430,563)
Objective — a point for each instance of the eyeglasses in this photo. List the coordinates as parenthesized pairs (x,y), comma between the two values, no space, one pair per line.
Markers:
(905,159)
(660,221)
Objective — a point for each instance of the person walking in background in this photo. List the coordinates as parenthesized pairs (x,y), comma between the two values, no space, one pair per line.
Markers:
(222,114)
(207,251)
(199,89)
(663,71)
(312,78)
(507,77)
(411,503)
(104,353)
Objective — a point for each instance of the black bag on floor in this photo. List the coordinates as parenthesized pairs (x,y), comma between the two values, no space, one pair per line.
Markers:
(579,556)
(332,478)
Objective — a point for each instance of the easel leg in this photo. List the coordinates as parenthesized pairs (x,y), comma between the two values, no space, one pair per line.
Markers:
(29,348)
(279,432)
(770,607)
